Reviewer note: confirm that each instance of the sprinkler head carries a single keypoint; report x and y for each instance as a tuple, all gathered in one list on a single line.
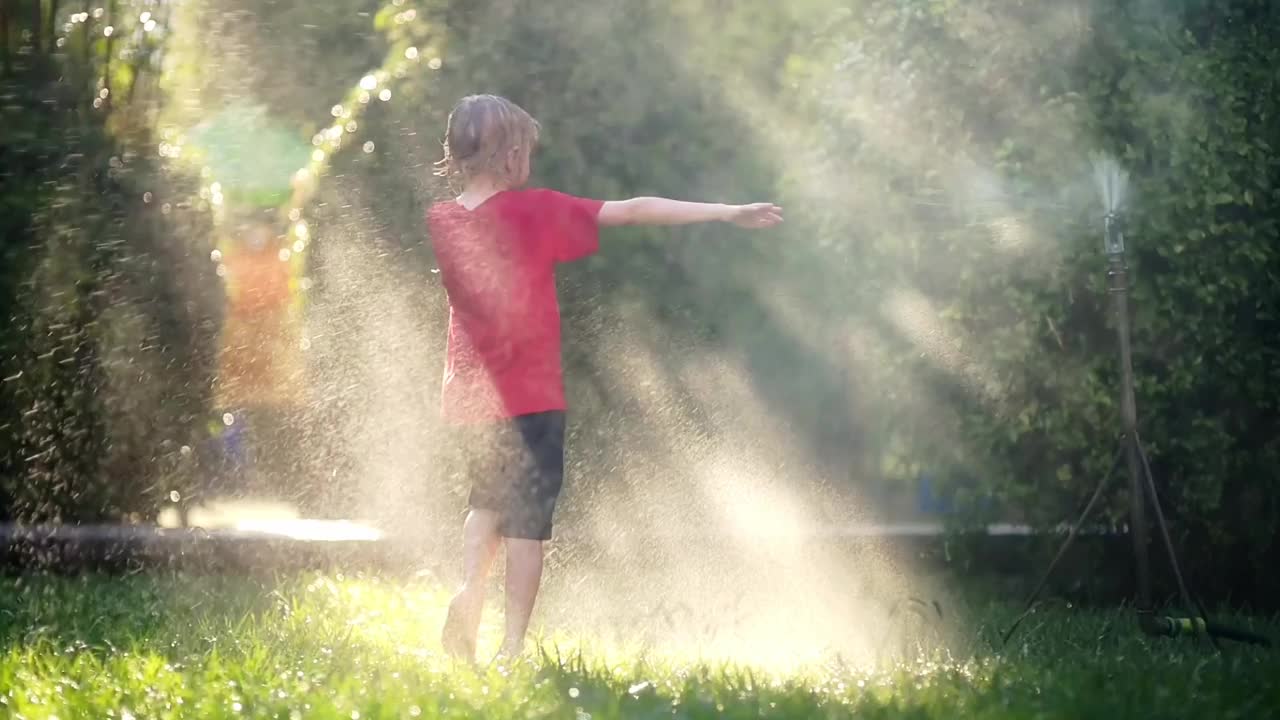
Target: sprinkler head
[(1113, 233)]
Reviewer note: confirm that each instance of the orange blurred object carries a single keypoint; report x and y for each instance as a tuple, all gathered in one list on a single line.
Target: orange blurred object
[(260, 356)]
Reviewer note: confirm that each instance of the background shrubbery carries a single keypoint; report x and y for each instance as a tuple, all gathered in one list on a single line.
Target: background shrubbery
[(935, 302)]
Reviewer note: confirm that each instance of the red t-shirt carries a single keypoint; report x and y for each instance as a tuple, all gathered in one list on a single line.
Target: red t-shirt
[(498, 266)]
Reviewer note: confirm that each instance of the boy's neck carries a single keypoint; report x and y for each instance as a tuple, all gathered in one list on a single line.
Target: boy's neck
[(477, 191)]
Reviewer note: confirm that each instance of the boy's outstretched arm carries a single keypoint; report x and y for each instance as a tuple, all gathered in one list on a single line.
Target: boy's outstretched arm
[(661, 211)]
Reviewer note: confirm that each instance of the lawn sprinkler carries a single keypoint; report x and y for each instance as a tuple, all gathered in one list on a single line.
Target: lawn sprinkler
[(1112, 183)]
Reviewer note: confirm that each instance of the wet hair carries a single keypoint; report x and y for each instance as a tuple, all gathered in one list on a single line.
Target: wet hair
[(482, 130)]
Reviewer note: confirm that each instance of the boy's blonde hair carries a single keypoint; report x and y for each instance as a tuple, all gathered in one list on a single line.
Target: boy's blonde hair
[(482, 129)]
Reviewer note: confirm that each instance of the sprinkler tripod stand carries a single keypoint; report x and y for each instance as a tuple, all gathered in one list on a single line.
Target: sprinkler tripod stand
[(1142, 486)]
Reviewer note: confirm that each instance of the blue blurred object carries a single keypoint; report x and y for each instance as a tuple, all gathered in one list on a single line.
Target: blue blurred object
[(929, 501), (230, 452), (939, 498), (235, 450)]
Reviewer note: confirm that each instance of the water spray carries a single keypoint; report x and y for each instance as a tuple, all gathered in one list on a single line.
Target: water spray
[(1113, 186)]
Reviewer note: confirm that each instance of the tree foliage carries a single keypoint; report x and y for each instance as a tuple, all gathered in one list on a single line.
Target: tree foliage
[(105, 353), (937, 299)]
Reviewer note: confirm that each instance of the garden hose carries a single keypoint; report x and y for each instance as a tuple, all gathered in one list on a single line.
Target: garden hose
[(1165, 626)]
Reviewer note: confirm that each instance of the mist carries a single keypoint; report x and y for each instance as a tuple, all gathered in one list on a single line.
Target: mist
[(750, 414)]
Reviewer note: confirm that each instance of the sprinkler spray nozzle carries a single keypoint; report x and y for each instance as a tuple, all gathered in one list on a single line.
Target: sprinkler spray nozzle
[(1113, 230)]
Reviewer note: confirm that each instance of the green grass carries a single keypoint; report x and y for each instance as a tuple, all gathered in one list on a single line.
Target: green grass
[(326, 647)]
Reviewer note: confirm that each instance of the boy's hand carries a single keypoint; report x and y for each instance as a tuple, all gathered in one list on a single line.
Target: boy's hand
[(755, 215)]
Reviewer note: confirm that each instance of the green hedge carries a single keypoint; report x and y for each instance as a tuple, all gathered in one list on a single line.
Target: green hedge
[(1006, 104), (936, 300), (110, 315)]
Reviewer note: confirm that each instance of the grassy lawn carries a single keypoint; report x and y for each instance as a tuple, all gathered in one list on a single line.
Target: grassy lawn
[(329, 647)]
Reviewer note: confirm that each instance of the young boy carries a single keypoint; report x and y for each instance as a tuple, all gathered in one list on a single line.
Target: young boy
[(497, 247)]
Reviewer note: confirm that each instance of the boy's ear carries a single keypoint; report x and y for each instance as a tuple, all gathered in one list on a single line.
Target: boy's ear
[(517, 158)]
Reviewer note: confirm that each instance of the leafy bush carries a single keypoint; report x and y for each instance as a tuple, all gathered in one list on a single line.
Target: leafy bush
[(937, 300), (106, 351)]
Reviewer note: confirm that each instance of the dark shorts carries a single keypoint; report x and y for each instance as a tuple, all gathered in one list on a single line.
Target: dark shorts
[(516, 469)]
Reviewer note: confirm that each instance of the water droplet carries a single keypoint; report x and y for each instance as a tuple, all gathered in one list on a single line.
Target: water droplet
[(151, 25), (185, 450), (368, 82), (364, 98), (299, 246), (435, 63), (174, 496), (573, 692), (336, 111), (144, 17), (146, 196), (97, 13), (385, 95), (355, 715), (301, 230), (221, 271), (368, 146), (294, 214), (62, 41), (236, 707), (352, 126), (411, 53), (97, 103), (284, 254), (414, 711), (166, 208), (108, 31), (216, 256), (318, 155)]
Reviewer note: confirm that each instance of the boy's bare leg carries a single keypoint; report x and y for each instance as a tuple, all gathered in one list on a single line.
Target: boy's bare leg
[(524, 573), (479, 546)]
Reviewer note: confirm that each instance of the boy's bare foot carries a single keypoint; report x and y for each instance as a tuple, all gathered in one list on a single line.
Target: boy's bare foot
[(507, 655), (455, 637), (511, 650)]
